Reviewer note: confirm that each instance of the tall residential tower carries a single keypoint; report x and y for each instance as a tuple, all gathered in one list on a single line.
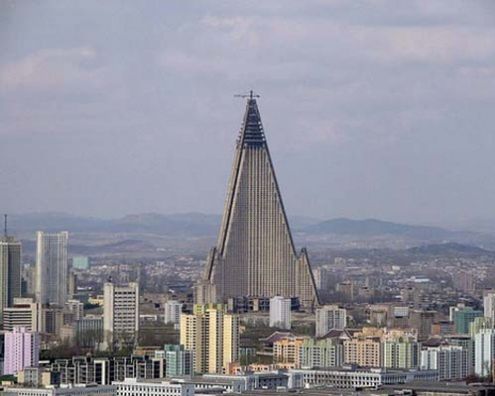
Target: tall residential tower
[(51, 268), (120, 314), (213, 335), (10, 270), (255, 253)]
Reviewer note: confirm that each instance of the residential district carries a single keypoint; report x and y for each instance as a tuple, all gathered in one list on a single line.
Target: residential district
[(253, 316)]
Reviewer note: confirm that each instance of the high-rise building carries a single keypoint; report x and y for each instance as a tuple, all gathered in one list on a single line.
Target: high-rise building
[(422, 321), (213, 335), (451, 361), (120, 314), (364, 349), (180, 362), (463, 317), (322, 278), (484, 352), (327, 352), (467, 343), (400, 349), (280, 312), (287, 350), (72, 285), (379, 315), (255, 253), (28, 275), (10, 270), (489, 305), (464, 281), (89, 331), (75, 309), (22, 349), (51, 268), (53, 319), (80, 262), (173, 309), (205, 292), (346, 289), (25, 312), (442, 327), (330, 317)]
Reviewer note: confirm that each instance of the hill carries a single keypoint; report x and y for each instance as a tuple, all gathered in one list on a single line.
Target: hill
[(374, 227), (447, 249)]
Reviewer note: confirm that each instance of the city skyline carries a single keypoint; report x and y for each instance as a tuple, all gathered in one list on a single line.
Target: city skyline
[(355, 251), (386, 125)]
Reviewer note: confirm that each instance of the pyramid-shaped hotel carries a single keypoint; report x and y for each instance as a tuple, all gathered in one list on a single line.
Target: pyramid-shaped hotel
[(255, 254)]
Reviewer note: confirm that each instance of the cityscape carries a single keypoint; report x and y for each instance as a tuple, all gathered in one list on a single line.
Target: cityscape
[(274, 294)]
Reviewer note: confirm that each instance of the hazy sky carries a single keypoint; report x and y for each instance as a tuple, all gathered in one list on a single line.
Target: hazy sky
[(371, 108)]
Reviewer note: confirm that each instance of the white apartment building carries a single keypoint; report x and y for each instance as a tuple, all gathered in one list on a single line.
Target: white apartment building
[(120, 313), (330, 317), (51, 268), (451, 361), (280, 315), (173, 309), (484, 352)]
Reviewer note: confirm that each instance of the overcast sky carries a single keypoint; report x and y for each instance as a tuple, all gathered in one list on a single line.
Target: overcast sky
[(372, 108)]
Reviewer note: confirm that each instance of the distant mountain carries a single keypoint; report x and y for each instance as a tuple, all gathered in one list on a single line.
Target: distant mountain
[(300, 222), (374, 228), (54, 221), (451, 248), (187, 224), (207, 225), (193, 224), (190, 224)]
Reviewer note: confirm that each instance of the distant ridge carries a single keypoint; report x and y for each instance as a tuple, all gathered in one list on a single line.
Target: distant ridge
[(192, 224), (374, 227), (451, 248), (196, 224)]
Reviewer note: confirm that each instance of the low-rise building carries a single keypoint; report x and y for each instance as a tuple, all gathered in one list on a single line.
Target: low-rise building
[(89, 390), (132, 387), (87, 370), (26, 313), (348, 378)]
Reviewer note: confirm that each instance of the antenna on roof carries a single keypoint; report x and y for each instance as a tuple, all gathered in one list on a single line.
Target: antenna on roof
[(5, 225), (251, 95)]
